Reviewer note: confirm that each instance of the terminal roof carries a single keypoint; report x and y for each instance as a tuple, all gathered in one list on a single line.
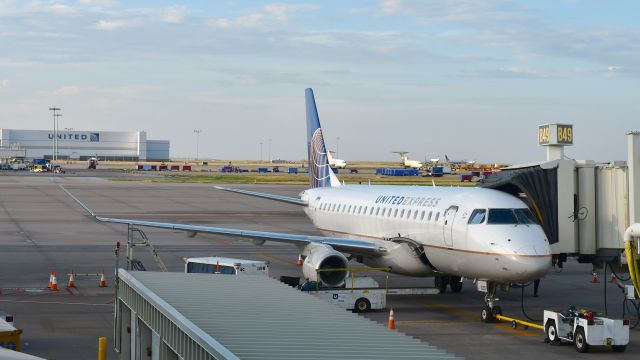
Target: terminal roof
[(253, 317)]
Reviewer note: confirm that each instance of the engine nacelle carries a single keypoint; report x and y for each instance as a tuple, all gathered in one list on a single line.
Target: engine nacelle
[(324, 258)]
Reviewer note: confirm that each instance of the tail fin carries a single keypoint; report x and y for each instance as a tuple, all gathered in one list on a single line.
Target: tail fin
[(320, 173)]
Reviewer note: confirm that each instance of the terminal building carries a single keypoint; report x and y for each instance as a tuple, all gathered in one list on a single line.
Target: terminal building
[(81, 145)]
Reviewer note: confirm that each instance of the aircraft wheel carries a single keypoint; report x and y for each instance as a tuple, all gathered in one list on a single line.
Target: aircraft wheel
[(580, 341), (455, 284), (441, 283), (486, 315)]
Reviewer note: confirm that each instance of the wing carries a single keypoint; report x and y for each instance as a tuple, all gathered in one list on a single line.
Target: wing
[(358, 247), (280, 198)]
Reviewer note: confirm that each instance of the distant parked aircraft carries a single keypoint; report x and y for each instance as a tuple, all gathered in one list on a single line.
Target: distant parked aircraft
[(406, 162)]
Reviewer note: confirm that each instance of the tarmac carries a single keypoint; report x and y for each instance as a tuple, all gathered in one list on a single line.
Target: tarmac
[(43, 230)]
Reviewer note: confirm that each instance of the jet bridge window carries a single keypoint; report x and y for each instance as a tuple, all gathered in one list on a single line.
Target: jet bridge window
[(477, 216)]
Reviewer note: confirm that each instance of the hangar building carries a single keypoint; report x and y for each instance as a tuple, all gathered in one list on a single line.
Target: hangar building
[(81, 145)]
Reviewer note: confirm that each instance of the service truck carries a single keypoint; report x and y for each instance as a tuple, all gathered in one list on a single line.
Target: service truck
[(585, 329), (226, 266), (361, 293)]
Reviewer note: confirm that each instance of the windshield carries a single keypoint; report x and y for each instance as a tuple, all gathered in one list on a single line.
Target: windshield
[(510, 217)]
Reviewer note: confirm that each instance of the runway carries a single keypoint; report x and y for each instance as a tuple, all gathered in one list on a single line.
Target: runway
[(44, 230)]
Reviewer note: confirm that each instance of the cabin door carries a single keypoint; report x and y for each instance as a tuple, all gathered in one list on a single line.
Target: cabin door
[(447, 227)]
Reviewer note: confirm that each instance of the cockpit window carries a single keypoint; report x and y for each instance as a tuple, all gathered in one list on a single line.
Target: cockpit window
[(502, 217), (510, 216), (525, 216), (477, 216)]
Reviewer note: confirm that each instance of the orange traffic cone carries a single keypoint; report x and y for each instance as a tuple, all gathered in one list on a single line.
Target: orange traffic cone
[(103, 282), (299, 260), (72, 280), (392, 320), (594, 278), (50, 279), (54, 282)]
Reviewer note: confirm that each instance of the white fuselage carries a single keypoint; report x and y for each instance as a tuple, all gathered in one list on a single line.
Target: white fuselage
[(409, 221)]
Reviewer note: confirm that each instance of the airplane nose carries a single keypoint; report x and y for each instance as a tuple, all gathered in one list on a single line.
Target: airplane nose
[(531, 267)]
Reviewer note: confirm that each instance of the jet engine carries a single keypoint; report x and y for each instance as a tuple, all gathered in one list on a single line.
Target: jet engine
[(324, 258)]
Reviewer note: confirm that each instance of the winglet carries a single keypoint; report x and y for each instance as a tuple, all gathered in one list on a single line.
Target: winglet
[(85, 207)]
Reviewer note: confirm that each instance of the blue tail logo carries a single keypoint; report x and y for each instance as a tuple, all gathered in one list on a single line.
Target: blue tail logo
[(320, 174)]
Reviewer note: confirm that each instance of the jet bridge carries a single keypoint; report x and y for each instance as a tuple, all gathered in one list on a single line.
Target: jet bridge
[(584, 207)]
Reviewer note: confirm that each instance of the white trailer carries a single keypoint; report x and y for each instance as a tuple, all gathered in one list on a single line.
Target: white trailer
[(227, 266), (585, 329)]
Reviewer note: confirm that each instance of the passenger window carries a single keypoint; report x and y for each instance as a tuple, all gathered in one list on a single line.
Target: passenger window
[(349, 209), (430, 213), (395, 213), (401, 213), (477, 216), (360, 209), (377, 211), (437, 216), (422, 215)]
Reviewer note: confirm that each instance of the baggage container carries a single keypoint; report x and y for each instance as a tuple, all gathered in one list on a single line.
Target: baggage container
[(9, 335)]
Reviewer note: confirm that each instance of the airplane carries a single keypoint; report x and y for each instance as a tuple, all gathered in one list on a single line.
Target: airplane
[(336, 163), (412, 164), (450, 233), (459, 162)]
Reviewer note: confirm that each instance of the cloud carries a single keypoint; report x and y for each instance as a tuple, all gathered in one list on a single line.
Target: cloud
[(266, 18), (65, 10), (117, 24), (250, 21), (174, 14), (129, 90)]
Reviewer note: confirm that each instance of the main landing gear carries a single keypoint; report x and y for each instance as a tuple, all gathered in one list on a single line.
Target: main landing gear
[(490, 310), (454, 282)]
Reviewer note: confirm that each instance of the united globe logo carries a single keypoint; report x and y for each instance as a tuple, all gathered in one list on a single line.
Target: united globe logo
[(94, 137)]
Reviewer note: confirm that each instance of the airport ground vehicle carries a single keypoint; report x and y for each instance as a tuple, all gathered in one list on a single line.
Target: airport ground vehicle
[(228, 266), (92, 163), (585, 329), (359, 294)]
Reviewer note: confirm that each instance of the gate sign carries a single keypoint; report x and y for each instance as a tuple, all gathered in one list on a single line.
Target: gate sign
[(555, 134)]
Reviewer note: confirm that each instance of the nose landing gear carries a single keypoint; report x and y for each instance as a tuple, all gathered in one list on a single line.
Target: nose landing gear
[(490, 310)]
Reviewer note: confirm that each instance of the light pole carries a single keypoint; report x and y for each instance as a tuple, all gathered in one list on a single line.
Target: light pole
[(57, 152), (53, 140), (269, 157), (197, 132), (260, 151)]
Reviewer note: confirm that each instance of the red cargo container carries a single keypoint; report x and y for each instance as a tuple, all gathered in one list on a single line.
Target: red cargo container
[(175, 167), (186, 167)]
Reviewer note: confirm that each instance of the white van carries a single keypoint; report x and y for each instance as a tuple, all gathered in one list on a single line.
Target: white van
[(227, 266)]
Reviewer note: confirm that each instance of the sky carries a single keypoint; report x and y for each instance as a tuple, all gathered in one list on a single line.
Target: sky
[(471, 78)]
